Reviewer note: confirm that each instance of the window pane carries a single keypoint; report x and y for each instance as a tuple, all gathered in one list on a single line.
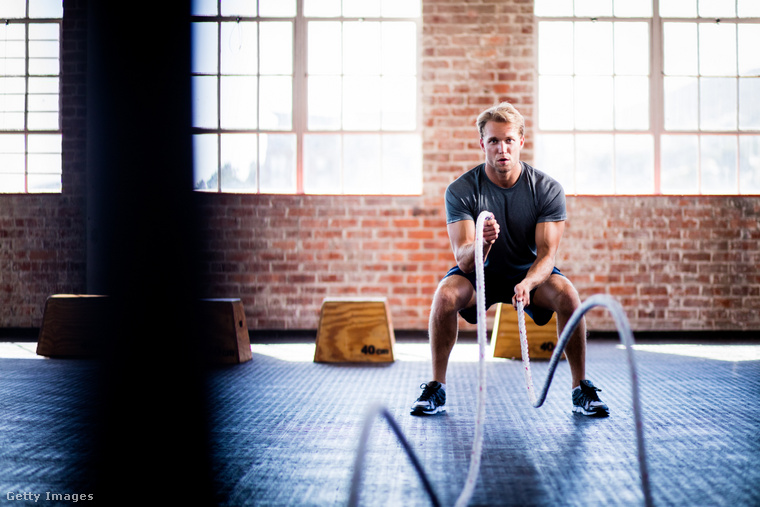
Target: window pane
[(594, 163), (322, 164), (555, 99), (678, 8), (719, 162), (717, 103), (205, 162), (593, 48), (276, 103), (205, 48), (681, 103), (749, 103), (13, 9), (205, 101), (47, 183), (593, 8), (277, 48), (239, 160), (239, 53), (324, 45), (361, 8), (632, 49), (631, 103), (748, 8), (717, 8), (680, 49), (679, 162), (402, 164), (362, 151), (361, 47), (717, 49), (44, 153), (749, 164), (12, 50), (633, 8), (324, 103), (238, 8), (397, 59), (401, 8), (12, 183), (361, 109), (634, 164), (555, 55), (749, 56), (321, 8), (277, 163), (399, 103), (45, 9), (277, 8), (554, 156), (204, 7), (593, 103), (238, 102), (553, 8)]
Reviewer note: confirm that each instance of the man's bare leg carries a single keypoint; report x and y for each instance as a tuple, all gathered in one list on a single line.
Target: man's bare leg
[(454, 293), (559, 295)]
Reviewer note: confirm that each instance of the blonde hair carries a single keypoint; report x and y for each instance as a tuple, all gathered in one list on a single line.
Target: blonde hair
[(503, 113)]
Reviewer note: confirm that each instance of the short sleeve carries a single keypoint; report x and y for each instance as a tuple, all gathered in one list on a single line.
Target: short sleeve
[(457, 208), (554, 208)]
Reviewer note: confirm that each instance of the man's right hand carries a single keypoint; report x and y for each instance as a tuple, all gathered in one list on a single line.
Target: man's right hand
[(490, 231)]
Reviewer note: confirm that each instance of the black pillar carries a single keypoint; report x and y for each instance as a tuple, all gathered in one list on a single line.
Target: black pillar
[(141, 252)]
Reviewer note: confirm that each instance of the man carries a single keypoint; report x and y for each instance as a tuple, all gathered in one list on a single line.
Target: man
[(520, 244)]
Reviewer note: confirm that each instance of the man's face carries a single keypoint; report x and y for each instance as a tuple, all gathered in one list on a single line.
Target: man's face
[(502, 142)]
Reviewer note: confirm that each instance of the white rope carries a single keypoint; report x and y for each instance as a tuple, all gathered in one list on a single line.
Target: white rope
[(624, 332), (524, 350), (480, 295)]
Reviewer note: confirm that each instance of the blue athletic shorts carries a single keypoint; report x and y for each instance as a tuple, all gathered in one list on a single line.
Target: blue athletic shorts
[(501, 289)]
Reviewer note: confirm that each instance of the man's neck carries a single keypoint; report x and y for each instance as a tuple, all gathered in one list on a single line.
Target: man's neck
[(504, 179)]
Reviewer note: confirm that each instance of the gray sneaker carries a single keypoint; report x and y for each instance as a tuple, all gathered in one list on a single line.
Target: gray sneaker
[(431, 401), (586, 401)]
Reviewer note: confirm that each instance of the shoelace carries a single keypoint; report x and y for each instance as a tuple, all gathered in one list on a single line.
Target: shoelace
[(427, 392), (590, 392)]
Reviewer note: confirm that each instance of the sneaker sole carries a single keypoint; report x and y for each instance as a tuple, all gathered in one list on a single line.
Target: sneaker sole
[(420, 411), (593, 413)]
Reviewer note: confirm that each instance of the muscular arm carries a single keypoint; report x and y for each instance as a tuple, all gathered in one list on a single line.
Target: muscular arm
[(462, 237), (548, 236)]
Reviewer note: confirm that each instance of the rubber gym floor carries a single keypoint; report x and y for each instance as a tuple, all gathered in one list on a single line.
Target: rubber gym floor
[(283, 430)]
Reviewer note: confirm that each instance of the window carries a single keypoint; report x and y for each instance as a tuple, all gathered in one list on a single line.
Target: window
[(311, 97), (633, 101), (30, 130)]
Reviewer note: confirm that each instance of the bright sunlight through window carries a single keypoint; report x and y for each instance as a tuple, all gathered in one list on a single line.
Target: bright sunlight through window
[(321, 100), (633, 101)]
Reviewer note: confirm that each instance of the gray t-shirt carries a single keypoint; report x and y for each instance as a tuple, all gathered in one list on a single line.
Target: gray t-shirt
[(535, 198)]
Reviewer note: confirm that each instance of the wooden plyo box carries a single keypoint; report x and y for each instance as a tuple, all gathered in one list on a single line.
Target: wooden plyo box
[(355, 330), (506, 335), (75, 325), (224, 332)]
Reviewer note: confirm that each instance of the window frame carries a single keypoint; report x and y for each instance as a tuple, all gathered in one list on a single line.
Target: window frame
[(656, 130), (26, 21), (300, 101)]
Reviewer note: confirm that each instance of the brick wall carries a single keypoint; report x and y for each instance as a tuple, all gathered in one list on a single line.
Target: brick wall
[(674, 262)]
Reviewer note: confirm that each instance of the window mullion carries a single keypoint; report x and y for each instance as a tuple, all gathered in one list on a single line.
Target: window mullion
[(656, 91), (300, 100)]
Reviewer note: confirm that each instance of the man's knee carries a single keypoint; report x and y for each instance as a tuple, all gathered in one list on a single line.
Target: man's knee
[(452, 295)]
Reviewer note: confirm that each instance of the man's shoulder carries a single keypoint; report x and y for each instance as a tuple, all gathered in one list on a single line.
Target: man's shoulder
[(466, 180), (540, 179)]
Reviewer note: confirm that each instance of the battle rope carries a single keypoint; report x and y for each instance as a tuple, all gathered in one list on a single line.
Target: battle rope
[(624, 332)]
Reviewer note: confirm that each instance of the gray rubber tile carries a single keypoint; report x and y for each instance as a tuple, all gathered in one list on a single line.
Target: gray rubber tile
[(284, 430)]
